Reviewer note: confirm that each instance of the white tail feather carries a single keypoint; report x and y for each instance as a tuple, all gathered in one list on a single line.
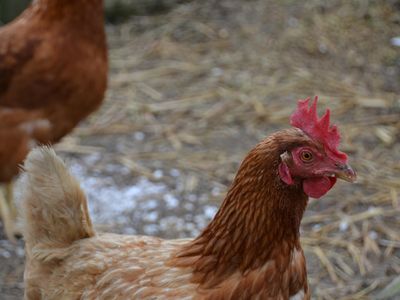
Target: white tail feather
[(55, 212)]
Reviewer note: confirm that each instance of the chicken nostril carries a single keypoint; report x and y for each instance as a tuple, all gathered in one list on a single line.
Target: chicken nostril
[(341, 166)]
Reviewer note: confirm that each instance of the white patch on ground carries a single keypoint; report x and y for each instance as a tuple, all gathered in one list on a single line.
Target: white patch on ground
[(395, 41), (158, 174), (373, 234), (139, 136), (344, 225), (316, 227), (175, 173), (144, 207), (108, 202), (210, 211), (171, 201), (8, 249)]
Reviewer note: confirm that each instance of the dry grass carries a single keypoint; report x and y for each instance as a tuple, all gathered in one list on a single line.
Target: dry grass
[(209, 79)]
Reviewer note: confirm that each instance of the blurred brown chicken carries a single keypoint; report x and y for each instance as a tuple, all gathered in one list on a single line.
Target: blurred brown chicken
[(250, 250), (53, 73)]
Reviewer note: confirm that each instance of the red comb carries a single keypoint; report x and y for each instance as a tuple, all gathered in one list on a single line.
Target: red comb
[(306, 119)]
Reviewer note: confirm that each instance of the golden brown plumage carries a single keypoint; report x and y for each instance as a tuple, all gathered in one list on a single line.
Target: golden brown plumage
[(250, 250), (53, 73)]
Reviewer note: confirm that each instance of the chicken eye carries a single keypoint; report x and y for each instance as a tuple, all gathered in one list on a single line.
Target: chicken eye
[(306, 156)]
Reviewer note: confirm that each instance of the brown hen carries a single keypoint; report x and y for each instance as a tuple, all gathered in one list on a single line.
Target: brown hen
[(53, 73), (250, 250)]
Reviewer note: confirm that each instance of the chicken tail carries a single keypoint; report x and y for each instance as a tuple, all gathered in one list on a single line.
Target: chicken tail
[(55, 212)]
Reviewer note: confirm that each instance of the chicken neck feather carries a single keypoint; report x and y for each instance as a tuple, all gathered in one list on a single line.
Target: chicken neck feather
[(257, 223)]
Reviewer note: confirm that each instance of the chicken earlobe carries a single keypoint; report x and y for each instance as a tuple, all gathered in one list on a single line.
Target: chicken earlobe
[(284, 171)]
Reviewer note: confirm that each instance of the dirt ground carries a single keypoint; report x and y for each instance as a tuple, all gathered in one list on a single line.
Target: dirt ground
[(192, 90)]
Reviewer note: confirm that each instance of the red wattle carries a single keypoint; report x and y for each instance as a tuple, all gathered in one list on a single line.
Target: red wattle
[(318, 186)]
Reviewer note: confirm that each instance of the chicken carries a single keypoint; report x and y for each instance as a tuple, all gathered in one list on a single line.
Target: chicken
[(250, 250), (53, 73)]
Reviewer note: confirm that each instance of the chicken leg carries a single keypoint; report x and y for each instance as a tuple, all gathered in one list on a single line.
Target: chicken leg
[(8, 212)]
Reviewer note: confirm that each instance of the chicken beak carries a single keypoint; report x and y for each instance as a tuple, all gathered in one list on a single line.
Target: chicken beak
[(345, 172)]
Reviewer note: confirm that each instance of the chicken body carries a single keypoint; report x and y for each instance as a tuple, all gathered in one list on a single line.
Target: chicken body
[(250, 250), (53, 73), (67, 259)]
